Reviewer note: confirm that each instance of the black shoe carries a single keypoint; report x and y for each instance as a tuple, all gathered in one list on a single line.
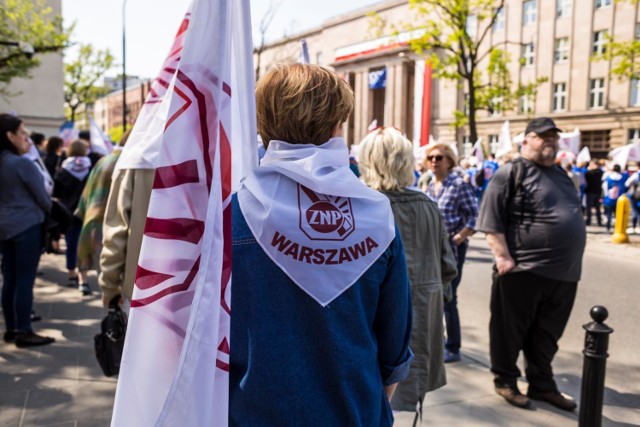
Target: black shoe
[(512, 395), (35, 317), (73, 282), (31, 339), (556, 398), (85, 289), (10, 336)]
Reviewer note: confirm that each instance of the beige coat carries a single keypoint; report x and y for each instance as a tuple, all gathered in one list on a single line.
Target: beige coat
[(431, 268), (122, 230)]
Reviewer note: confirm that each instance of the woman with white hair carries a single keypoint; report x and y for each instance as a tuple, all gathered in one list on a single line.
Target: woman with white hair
[(459, 208), (386, 164)]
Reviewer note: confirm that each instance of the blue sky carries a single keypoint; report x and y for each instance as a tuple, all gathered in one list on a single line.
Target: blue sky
[(151, 24)]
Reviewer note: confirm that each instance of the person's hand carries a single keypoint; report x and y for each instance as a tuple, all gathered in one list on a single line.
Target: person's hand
[(505, 265), (458, 239), (106, 301)]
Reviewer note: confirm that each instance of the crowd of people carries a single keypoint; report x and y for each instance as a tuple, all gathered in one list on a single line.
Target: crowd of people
[(48, 191), (361, 335), (599, 184)]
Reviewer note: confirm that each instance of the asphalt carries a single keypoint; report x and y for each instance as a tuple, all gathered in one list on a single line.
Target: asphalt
[(61, 384)]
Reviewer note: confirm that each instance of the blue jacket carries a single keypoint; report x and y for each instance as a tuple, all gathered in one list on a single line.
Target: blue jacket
[(294, 362)]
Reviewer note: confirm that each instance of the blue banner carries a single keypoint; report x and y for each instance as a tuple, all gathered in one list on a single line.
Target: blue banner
[(378, 79)]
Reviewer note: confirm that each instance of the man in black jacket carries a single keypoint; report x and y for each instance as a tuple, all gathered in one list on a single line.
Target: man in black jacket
[(593, 191)]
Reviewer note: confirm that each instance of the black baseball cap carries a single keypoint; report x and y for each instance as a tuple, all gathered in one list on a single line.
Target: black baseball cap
[(541, 125)]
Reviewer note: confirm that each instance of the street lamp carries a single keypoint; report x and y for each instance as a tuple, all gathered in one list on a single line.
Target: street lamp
[(25, 48), (124, 68)]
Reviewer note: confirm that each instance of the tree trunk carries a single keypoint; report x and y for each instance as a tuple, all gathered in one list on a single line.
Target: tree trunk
[(258, 66), (473, 131), (73, 112)]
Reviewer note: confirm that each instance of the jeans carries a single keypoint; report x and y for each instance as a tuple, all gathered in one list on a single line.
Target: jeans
[(451, 317), (20, 257), (72, 236)]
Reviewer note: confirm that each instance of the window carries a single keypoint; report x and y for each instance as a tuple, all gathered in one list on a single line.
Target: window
[(563, 8), (494, 143), (559, 97), (596, 93), (597, 141), (634, 136), (528, 54), (529, 17), (472, 25), (526, 104), (496, 106), (602, 3), (635, 92), (637, 35), (498, 24), (599, 42), (561, 53)]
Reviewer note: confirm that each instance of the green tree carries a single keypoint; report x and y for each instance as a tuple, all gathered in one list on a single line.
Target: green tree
[(454, 36), (82, 75), (623, 54), (624, 57), (29, 22)]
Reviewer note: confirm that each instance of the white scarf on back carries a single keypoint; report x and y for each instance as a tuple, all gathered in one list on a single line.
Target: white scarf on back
[(314, 218)]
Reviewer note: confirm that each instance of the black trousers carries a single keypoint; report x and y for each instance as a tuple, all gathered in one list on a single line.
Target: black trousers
[(529, 313)]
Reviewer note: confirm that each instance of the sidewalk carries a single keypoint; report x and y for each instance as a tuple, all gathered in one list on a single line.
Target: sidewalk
[(61, 384)]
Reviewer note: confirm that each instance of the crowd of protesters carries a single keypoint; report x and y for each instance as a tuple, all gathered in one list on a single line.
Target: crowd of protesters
[(64, 191), (48, 191)]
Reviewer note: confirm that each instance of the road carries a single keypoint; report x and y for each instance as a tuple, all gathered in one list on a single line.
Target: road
[(611, 277)]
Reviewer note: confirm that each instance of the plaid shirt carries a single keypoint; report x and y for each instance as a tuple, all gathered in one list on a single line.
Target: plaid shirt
[(457, 203)]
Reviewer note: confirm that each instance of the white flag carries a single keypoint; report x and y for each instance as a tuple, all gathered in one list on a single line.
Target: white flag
[(100, 143), (584, 156), (505, 146), (143, 145), (478, 152), (570, 141), (175, 367), (519, 138), (626, 153)]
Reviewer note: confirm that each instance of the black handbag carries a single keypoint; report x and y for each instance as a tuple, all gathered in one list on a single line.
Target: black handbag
[(109, 343), (61, 215)]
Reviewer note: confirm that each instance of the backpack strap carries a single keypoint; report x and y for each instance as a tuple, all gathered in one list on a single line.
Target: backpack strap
[(516, 178)]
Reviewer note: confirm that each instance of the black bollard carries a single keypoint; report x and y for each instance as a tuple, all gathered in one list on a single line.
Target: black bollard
[(596, 344)]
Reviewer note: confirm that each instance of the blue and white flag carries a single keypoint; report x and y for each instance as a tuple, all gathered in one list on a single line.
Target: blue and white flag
[(304, 53), (378, 79), (68, 132)]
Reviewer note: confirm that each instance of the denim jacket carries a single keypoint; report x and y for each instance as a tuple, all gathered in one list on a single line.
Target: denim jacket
[(296, 363)]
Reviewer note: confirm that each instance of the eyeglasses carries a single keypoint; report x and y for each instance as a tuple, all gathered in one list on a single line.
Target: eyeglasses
[(437, 158), (545, 136)]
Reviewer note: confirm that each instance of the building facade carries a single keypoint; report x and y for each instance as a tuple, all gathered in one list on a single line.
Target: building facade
[(39, 101), (555, 39), (107, 110)]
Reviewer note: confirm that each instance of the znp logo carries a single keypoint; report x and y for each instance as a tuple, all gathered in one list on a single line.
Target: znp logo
[(324, 217)]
